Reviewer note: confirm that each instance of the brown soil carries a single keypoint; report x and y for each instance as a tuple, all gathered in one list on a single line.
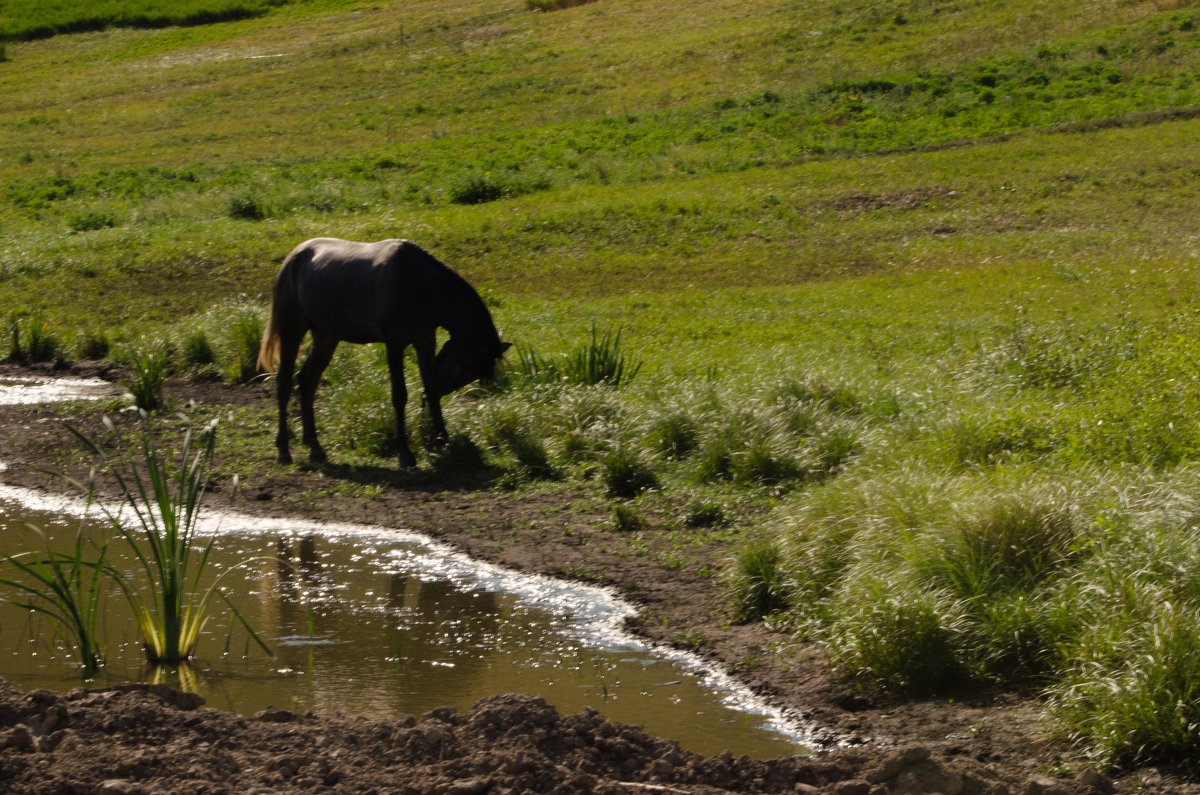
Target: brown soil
[(152, 739)]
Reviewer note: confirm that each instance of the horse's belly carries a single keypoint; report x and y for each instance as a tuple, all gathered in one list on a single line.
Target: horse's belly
[(361, 339)]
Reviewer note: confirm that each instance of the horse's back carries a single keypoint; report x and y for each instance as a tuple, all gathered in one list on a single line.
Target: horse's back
[(360, 291), (334, 251)]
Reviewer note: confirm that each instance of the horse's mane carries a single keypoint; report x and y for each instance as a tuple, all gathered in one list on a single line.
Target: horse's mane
[(465, 311)]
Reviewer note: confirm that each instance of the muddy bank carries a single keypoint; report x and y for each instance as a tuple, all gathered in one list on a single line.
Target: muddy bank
[(151, 739), (970, 742)]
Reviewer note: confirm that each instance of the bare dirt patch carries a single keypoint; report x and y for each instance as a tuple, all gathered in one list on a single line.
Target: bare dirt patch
[(153, 739)]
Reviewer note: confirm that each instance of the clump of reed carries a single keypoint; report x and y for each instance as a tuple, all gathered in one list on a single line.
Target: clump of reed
[(165, 504), (758, 581)]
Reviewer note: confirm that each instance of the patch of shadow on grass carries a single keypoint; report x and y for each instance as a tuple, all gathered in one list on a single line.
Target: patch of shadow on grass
[(420, 479)]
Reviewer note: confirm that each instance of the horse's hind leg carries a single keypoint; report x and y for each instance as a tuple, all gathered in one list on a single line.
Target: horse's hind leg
[(310, 375), (289, 348)]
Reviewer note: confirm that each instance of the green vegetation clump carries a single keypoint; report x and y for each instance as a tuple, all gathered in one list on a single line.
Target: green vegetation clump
[(149, 363), (627, 473), (599, 361), (65, 587), (759, 580), (31, 339)]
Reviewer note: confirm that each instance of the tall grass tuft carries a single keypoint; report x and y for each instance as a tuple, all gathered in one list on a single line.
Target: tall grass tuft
[(94, 346), (751, 446), (66, 589), (149, 363), (923, 583), (626, 519), (166, 508), (835, 396), (198, 351), (1134, 697), (626, 472), (598, 361), (477, 189), (899, 636), (225, 339), (758, 581), (533, 368), (705, 513), (245, 207), (245, 334), (673, 433), (37, 344), (510, 430), (1012, 545), (586, 423)]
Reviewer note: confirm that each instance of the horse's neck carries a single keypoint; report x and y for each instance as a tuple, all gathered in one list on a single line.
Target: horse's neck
[(464, 313)]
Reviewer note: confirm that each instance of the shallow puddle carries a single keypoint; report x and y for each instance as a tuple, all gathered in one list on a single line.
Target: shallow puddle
[(35, 389), (368, 622)]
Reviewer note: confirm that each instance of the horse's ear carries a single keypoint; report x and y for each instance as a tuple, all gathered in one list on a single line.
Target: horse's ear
[(504, 346)]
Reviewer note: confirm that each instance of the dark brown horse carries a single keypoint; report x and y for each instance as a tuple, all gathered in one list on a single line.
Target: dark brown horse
[(392, 292)]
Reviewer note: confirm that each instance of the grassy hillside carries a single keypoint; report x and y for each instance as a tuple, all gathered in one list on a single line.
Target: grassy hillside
[(913, 289)]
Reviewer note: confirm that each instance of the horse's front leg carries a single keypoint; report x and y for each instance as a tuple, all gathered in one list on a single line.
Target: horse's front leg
[(310, 375), (425, 354), (395, 359)]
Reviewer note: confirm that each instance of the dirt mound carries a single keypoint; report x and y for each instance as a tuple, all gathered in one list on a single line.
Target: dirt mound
[(151, 739)]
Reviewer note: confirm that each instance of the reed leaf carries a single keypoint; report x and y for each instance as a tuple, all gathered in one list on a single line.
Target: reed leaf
[(66, 589)]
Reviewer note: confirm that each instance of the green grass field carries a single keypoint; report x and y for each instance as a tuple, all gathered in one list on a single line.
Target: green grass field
[(913, 292)]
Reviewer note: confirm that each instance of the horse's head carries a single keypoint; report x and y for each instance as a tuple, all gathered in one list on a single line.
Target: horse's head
[(457, 365)]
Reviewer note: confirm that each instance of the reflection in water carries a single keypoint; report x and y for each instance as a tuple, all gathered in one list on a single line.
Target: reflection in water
[(300, 571), (181, 676), (382, 625)]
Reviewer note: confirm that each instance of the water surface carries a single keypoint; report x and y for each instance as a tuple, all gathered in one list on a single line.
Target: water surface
[(45, 389), (369, 622)]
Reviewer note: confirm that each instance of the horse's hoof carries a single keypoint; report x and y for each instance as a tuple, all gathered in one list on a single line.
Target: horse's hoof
[(283, 458), (407, 461), (316, 455)]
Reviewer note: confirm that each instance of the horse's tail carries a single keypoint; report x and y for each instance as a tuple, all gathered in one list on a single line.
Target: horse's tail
[(268, 351)]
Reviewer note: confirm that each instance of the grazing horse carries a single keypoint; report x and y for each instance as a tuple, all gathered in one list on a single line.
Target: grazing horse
[(392, 292)]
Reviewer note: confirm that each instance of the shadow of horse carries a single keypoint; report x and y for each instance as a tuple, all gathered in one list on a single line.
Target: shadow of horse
[(446, 480)]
